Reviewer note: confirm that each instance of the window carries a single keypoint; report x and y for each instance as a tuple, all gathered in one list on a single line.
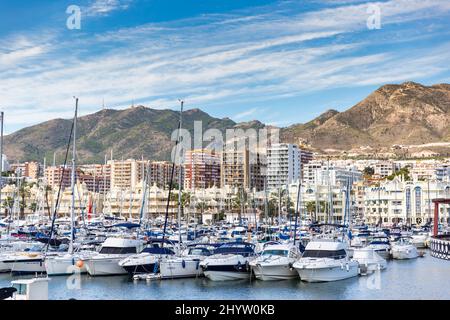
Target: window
[(114, 250), (282, 253), (21, 289), (335, 254), (418, 196), (408, 201)]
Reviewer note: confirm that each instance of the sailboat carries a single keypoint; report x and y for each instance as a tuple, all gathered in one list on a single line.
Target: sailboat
[(70, 262), (187, 263)]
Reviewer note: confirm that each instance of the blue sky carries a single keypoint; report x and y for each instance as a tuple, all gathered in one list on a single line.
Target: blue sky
[(281, 62)]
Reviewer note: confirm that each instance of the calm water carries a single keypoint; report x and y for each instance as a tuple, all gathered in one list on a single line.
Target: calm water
[(422, 278)]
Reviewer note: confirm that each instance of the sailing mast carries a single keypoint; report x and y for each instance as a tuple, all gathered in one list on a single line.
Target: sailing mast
[(179, 176), (72, 209)]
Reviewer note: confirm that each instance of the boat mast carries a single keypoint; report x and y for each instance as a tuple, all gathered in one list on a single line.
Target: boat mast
[(72, 209), (179, 175)]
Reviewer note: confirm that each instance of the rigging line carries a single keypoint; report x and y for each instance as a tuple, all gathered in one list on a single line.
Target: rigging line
[(171, 185), (60, 187)]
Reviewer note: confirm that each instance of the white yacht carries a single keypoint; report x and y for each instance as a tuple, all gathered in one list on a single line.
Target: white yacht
[(275, 262), (10, 249), (403, 249), (325, 260), (230, 261), (113, 250), (369, 260), (149, 259), (23, 262), (381, 245), (68, 263), (185, 266), (420, 239)]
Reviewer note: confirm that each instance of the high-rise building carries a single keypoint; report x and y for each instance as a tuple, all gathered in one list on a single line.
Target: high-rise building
[(283, 165), (324, 172), (201, 169), (242, 169), (126, 174), (161, 173)]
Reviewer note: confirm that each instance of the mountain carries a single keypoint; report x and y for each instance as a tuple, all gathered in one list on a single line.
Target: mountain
[(131, 133), (408, 114)]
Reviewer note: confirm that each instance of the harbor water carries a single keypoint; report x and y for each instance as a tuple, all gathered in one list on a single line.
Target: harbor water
[(423, 278)]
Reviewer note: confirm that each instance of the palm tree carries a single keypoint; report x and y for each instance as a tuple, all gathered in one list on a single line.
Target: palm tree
[(311, 209), (25, 193), (185, 200), (33, 207), (8, 204)]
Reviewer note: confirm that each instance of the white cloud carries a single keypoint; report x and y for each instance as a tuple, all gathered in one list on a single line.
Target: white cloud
[(245, 114), (104, 7), (213, 60)]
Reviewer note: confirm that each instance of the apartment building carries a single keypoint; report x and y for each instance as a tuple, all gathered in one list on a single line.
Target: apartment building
[(283, 165), (201, 169), (161, 173), (323, 172), (405, 201), (243, 169)]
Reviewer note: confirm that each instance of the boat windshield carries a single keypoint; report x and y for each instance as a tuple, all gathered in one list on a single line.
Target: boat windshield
[(199, 252), (334, 254), (283, 253), (115, 250)]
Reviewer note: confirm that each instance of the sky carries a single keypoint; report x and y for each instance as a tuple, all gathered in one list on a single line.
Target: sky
[(280, 62)]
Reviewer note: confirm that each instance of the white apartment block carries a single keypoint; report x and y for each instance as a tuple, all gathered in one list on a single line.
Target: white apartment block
[(283, 165), (324, 173), (405, 201)]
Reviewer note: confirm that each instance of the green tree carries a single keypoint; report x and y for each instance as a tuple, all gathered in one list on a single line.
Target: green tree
[(404, 172), (33, 207), (368, 171)]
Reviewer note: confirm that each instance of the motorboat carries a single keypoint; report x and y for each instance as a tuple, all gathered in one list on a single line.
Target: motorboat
[(186, 265), (325, 260), (369, 260), (230, 261), (275, 262), (26, 262), (420, 239), (28, 289), (381, 245), (149, 259), (113, 250), (68, 263), (403, 249)]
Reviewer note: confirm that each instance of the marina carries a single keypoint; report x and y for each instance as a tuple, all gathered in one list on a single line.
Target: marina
[(425, 278)]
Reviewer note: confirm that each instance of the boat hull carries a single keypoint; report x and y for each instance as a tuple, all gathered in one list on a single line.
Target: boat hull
[(104, 267), (405, 254), (226, 275), (178, 269), (64, 266), (28, 266), (141, 268), (272, 273), (335, 273)]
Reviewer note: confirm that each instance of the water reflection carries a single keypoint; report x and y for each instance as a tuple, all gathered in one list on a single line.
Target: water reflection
[(425, 278)]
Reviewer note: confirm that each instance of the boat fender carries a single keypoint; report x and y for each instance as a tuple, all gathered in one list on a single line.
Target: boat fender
[(73, 261), (348, 267), (197, 264), (155, 267), (183, 264)]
